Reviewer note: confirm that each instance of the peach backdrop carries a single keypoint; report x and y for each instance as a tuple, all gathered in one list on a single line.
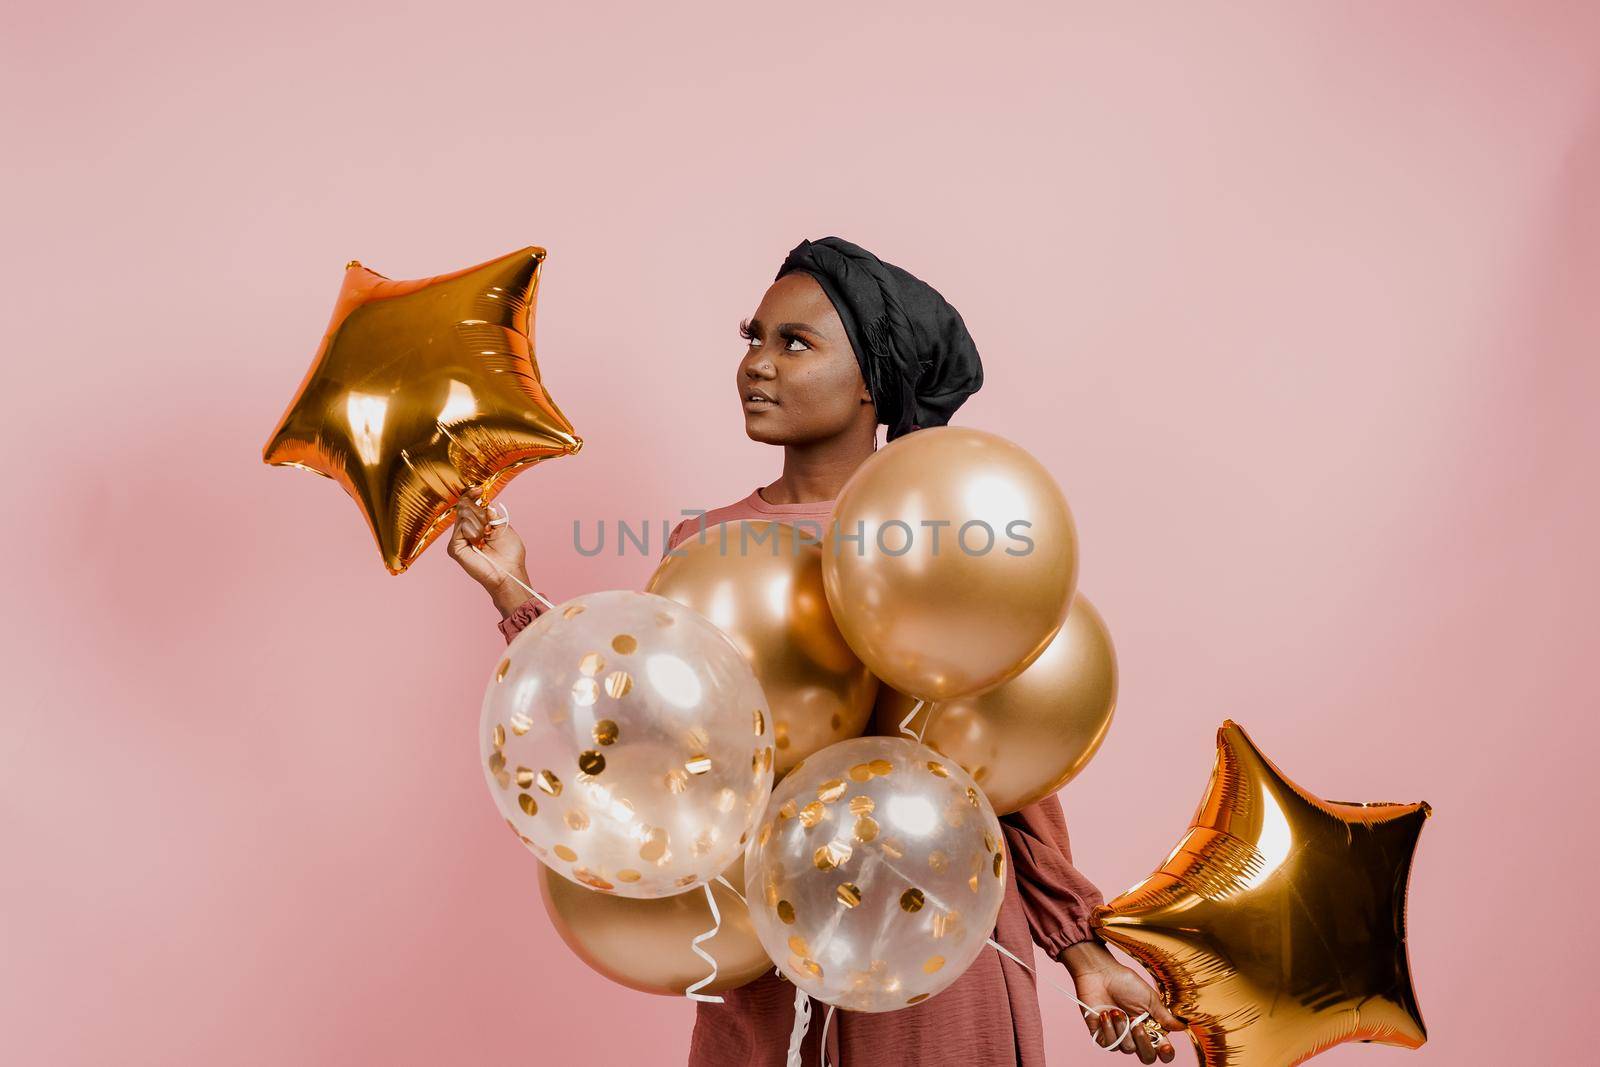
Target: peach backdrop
[(1297, 301)]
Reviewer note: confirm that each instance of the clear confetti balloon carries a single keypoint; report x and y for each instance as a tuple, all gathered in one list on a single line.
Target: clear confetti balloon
[(877, 873), (628, 744)]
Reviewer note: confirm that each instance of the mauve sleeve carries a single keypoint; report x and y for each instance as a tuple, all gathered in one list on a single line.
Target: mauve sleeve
[(513, 624), (1055, 894)]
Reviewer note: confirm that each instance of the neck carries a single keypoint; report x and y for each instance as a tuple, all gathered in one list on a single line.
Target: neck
[(817, 470)]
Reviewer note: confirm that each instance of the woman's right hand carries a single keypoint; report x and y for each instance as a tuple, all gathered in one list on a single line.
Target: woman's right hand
[(507, 562)]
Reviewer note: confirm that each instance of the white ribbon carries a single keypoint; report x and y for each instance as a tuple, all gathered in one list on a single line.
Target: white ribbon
[(797, 1032), (1087, 1010), (695, 942), (501, 517), (905, 723)]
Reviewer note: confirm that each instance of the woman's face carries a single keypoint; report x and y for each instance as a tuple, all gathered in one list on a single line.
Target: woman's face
[(799, 380)]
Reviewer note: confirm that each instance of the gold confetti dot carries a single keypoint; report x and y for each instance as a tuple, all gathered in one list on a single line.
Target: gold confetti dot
[(592, 663), (780, 734), (812, 814), (605, 732), (503, 780), (743, 838), (549, 783), (881, 767), (866, 828), (980, 774), (830, 790), (849, 894), (861, 805), (797, 945), (760, 721), (697, 764), (628, 874), (585, 691), (677, 780), (591, 762), (524, 778), (577, 820), (785, 912), (918, 999), (618, 683), (528, 805), (725, 799), (946, 923), (497, 762), (972, 883), (696, 739), (932, 964), (654, 849), (686, 880), (836, 722), (892, 849), (573, 611), (972, 796), (911, 900), (988, 841), (592, 880), (861, 772), (789, 810), (938, 862), (501, 671), (999, 863), (764, 836), (563, 852), (831, 855), (811, 967), (938, 769), (499, 736), (624, 644), (702, 844), (521, 723), (766, 758)]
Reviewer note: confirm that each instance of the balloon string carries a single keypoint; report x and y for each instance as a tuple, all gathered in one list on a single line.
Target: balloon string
[(797, 1032), (1087, 1010), (502, 517), (695, 942), (729, 887), (905, 723), (826, 1020)]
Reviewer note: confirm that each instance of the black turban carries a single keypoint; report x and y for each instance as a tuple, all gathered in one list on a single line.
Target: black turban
[(916, 356)]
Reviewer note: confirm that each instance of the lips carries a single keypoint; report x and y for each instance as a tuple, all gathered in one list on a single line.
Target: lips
[(758, 400)]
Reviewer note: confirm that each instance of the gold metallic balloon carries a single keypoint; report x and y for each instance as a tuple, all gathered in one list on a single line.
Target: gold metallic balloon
[(1026, 737), (1276, 928), (952, 561), (644, 944), (419, 389), (761, 583)]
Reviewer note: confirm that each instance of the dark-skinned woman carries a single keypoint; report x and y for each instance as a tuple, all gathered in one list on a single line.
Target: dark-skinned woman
[(841, 342)]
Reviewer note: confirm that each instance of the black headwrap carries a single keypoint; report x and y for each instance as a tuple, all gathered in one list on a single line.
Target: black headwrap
[(916, 356)]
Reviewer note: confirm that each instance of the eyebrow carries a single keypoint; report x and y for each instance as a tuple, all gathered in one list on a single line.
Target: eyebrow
[(755, 324)]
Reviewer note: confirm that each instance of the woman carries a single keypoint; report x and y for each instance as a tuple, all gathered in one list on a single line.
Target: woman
[(841, 342)]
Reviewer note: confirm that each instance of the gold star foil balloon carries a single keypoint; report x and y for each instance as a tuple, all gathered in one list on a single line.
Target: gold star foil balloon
[(1276, 927), (421, 388)]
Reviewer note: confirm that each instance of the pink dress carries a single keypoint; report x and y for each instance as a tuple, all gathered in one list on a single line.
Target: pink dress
[(990, 1016)]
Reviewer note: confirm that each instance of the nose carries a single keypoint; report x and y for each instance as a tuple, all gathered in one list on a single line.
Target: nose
[(758, 367)]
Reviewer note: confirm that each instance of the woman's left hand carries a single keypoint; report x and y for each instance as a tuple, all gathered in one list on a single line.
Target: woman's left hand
[(1102, 981)]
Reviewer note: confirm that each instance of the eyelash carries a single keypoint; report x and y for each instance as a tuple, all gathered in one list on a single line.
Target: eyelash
[(749, 335)]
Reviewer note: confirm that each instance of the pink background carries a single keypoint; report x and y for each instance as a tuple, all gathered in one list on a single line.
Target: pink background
[(1298, 304)]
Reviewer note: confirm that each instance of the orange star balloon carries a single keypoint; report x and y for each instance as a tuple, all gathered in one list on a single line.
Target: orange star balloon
[(1276, 927), (420, 389)]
